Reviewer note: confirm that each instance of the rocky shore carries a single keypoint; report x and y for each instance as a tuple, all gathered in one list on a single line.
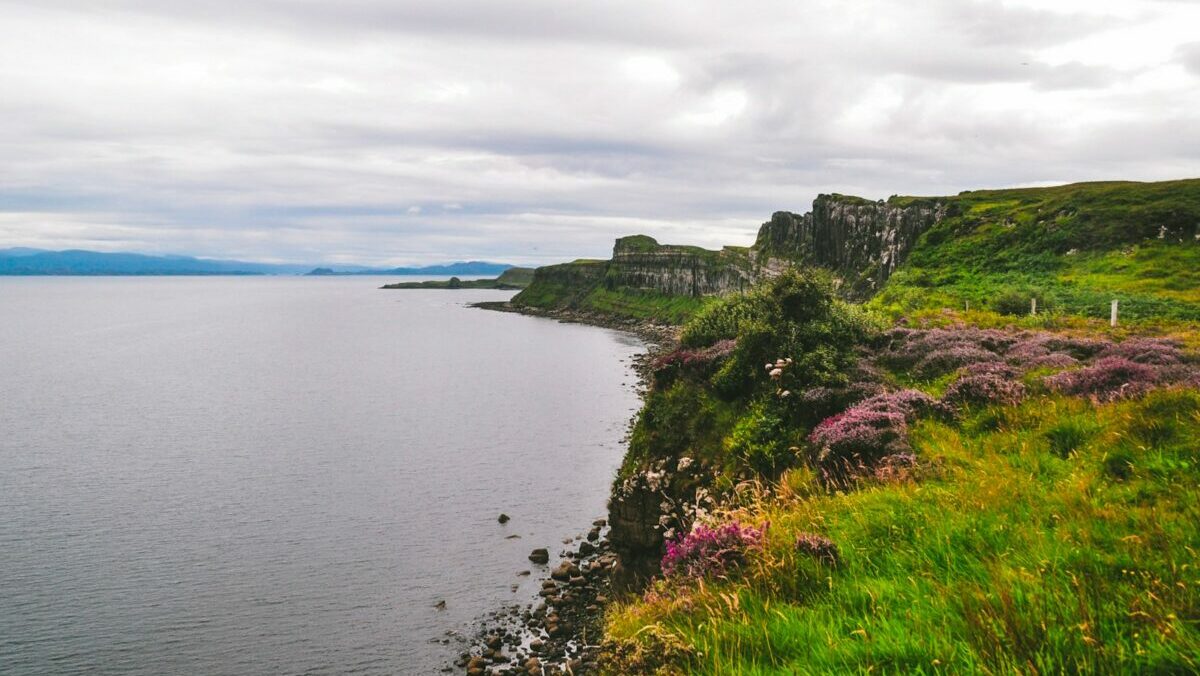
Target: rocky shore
[(561, 633)]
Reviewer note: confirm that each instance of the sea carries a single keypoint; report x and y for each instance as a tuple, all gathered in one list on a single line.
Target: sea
[(285, 475)]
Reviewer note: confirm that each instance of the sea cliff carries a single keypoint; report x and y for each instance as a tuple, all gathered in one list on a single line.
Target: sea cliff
[(863, 429)]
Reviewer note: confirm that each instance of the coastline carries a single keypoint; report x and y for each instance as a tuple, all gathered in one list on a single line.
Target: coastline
[(562, 633), (657, 336)]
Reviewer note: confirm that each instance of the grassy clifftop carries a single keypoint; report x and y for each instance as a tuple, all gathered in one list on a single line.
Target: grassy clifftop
[(643, 280), (837, 496), (1075, 248), (818, 486)]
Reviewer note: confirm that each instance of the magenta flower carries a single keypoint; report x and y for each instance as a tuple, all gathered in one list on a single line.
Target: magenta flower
[(711, 551), (1108, 379)]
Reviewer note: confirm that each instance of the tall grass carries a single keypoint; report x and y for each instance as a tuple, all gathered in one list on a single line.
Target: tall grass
[(1059, 537)]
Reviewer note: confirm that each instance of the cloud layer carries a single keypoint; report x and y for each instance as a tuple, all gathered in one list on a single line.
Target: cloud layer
[(376, 131)]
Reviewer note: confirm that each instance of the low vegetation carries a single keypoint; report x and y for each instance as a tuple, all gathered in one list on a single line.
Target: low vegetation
[(1073, 248), (1054, 536), (952, 498)]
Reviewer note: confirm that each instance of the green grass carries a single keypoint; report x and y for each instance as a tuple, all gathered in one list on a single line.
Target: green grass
[(619, 303), (643, 305), (1076, 248), (1057, 537)]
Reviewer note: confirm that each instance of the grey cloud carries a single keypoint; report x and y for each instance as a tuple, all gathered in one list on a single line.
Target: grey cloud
[(306, 130), (1189, 55)]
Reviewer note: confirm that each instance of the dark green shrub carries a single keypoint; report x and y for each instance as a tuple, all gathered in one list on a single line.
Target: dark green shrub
[(761, 439), (1013, 302), (793, 315), (1119, 465), (1069, 435)]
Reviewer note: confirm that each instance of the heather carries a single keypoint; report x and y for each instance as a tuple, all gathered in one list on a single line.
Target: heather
[(867, 432), (713, 399), (1107, 379), (1055, 536), (983, 389), (950, 498), (710, 551)]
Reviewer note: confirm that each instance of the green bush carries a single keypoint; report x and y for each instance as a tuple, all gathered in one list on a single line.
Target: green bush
[(793, 315), (1069, 435), (740, 415), (761, 439)]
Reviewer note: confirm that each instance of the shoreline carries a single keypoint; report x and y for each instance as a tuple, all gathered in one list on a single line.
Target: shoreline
[(657, 336), (562, 632)]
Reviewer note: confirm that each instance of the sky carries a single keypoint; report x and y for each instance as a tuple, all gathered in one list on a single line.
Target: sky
[(387, 132)]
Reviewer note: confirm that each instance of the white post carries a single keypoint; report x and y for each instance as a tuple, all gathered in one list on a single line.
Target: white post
[(1033, 306), (1113, 320), (968, 306)]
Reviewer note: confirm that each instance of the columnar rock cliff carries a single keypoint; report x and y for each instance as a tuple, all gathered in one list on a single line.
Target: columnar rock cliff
[(641, 263), (860, 241)]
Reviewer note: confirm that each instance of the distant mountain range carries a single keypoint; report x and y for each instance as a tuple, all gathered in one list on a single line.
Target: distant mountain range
[(26, 261)]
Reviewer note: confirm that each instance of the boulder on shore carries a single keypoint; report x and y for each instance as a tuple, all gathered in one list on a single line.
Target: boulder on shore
[(540, 555)]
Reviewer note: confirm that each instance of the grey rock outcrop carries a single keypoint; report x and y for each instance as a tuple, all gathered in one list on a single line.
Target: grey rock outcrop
[(861, 242)]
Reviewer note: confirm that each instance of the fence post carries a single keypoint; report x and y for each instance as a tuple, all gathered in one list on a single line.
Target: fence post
[(1113, 319), (1032, 306)]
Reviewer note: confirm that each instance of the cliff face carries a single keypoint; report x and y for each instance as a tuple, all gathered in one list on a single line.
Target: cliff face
[(642, 264), (861, 242)]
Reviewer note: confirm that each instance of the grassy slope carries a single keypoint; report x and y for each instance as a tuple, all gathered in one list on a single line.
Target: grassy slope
[(1074, 247), (1058, 536), (616, 302)]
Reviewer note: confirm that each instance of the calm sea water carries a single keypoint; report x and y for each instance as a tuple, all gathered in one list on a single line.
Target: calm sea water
[(284, 475)]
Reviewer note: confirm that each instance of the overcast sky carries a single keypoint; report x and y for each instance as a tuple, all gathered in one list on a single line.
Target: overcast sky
[(391, 132)]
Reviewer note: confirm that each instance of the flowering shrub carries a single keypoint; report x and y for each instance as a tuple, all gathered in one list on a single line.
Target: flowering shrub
[(874, 428), (908, 403), (670, 365), (995, 387), (991, 368), (859, 433), (710, 551), (943, 361), (1054, 360), (1154, 351), (819, 547), (818, 403), (1033, 345), (1108, 379), (935, 352), (1027, 350)]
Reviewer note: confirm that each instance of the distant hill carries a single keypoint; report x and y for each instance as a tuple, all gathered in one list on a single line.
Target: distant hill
[(19, 251), (458, 268), (21, 261), (27, 261)]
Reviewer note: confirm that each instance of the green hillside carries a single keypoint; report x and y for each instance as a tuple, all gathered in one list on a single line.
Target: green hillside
[(1075, 248), (903, 486)]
